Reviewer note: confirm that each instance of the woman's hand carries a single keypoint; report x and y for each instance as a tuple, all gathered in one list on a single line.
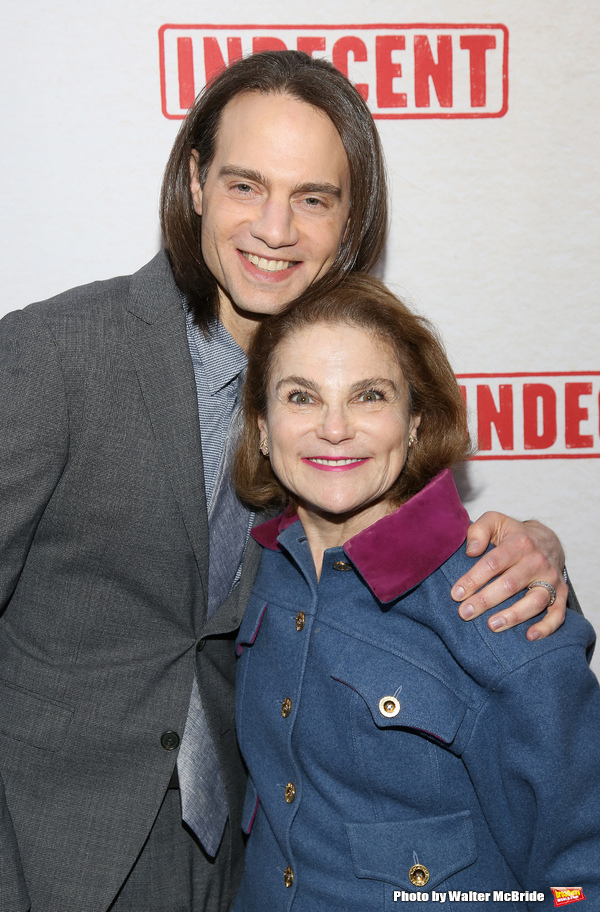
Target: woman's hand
[(525, 552)]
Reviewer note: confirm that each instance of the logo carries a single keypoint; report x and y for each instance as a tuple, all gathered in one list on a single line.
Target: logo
[(565, 895), (402, 71), (534, 416)]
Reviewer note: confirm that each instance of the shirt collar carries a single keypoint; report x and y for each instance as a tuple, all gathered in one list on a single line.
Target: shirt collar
[(400, 550), (224, 362)]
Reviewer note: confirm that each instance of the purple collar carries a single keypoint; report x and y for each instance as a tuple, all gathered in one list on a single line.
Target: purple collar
[(400, 550)]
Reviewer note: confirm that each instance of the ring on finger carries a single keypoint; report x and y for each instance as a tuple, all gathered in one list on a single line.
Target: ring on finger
[(547, 586)]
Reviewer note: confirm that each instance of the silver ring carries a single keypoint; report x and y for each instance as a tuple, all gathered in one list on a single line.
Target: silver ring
[(547, 586)]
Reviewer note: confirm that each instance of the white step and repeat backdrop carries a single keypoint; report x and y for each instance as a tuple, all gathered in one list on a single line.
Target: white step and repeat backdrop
[(488, 113)]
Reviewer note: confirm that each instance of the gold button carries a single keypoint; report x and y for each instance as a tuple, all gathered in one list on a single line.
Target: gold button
[(290, 792), (342, 565), (300, 620), (288, 877), (389, 707), (286, 707), (418, 875)]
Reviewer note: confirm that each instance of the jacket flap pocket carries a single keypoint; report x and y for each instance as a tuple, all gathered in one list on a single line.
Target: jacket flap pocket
[(250, 806), (250, 623), (399, 693), (28, 717), (387, 851)]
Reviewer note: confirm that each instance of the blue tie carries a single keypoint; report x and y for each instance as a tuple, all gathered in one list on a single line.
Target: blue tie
[(203, 801)]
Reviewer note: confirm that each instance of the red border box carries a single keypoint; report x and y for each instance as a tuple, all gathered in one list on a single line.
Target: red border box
[(357, 27), (495, 376)]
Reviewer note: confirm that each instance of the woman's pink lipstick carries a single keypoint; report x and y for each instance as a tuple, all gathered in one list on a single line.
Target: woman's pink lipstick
[(341, 464)]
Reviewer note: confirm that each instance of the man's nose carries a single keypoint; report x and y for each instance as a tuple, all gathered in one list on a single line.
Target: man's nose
[(275, 224)]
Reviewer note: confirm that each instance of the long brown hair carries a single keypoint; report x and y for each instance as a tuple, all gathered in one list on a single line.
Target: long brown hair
[(364, 302), (307, 79)]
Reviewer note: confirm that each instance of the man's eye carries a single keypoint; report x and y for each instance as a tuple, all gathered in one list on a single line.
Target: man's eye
[(243, 188), (313, 202)]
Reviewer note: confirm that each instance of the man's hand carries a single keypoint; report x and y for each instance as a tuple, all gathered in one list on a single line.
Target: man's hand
[(525, 552)]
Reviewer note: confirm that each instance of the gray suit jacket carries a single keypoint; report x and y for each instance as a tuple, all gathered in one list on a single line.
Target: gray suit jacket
[(103, 578)]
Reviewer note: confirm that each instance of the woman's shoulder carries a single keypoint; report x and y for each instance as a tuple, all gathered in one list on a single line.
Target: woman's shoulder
[(510, 648)]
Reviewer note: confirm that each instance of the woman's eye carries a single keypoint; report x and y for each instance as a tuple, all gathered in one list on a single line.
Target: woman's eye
[(370, 396), (299, 398)]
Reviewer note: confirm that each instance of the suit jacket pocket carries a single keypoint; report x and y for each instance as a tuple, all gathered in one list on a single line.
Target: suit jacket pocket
[(419, 700), (251, 622), (387, 851), (29, 718)]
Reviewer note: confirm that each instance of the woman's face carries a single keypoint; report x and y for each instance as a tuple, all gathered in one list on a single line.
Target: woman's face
[(337, 421)]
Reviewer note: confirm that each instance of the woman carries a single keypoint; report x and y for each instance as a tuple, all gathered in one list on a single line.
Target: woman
[(393, 751)]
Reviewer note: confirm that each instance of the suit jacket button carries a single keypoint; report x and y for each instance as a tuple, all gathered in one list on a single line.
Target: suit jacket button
[(418, 875), (300, 620), (169, 740), (342, 565), (286, 707), (389, 707), (290, 792), (288, 877), (200, 645)]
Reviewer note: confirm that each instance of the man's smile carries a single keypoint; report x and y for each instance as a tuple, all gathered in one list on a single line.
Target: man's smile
[(267, 265)]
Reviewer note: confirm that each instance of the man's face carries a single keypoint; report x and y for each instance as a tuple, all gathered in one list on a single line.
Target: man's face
[(274, 205)]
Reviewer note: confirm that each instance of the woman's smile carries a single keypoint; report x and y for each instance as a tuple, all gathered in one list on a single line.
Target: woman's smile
[(328, 464)]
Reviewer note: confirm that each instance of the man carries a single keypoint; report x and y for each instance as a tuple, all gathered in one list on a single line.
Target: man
[(116, 635)]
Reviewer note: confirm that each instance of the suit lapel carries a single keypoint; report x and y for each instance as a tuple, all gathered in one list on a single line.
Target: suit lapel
[(228, 616), (158, 344)]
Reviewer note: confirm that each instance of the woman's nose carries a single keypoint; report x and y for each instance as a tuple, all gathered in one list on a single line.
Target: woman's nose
[(336, 425)]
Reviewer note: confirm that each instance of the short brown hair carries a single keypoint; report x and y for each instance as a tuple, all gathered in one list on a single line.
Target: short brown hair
[(433, 392), (307, 79)]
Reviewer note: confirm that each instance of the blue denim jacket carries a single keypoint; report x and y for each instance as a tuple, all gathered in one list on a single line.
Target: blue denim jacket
[(381, 732)]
